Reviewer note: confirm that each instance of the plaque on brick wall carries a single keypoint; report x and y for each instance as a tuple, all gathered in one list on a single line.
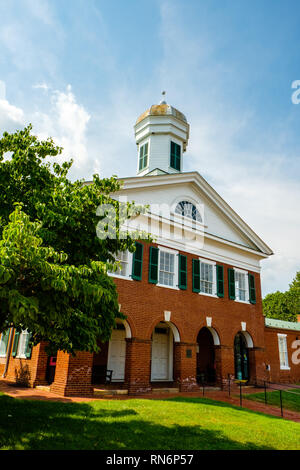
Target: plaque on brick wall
[(188, 353)]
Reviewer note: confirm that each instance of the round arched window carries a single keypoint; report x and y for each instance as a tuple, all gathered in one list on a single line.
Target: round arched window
[(188, 209)]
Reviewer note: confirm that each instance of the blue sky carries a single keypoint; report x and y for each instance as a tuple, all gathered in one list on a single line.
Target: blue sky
[(82, 72)]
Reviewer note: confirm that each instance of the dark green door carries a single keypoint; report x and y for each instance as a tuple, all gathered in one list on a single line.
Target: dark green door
[(241, 360)]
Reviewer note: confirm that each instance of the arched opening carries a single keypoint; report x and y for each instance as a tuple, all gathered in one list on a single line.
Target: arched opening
[(162, 352), (207, 339), (109, 363), (242, 342)]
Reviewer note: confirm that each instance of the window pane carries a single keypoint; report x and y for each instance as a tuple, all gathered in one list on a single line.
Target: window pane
[(240, 279), (166, 268), (3, 343), (187, 209), (122, 257), (22, 343), (283, 353), (206, 278)]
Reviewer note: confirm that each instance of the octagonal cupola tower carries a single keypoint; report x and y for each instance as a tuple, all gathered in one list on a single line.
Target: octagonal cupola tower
[(161, 134)]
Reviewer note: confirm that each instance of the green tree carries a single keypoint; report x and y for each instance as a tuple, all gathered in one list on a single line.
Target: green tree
[(64, 242), (66, 305), (295, 295), (284, 305)]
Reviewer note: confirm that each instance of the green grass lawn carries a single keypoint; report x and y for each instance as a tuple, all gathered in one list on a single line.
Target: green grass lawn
[(290, 399), (177, 423)]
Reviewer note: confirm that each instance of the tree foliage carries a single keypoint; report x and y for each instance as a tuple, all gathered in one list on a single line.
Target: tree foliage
[(68, 305), (53, 276), (284, 305)]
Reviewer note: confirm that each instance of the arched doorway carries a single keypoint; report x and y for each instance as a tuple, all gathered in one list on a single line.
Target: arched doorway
[(206, 367), (162, 353), (241, 357), (112, 356)]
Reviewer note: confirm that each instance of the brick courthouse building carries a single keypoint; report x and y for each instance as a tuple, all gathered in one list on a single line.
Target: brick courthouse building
[(192, 298)]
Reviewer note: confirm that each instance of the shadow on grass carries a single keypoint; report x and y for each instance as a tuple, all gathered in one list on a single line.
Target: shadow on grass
[(40, 425)]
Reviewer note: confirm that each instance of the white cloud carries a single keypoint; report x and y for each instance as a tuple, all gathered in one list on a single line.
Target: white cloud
[(254, 180), (42, 86), (10, 115), (65, 121)]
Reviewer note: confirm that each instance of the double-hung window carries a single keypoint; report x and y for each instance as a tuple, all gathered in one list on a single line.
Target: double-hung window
[(283, 352), (124, 259), (3, 343), (166, 268), (241, 285), (206, 278), (23, 344), (143, 158)]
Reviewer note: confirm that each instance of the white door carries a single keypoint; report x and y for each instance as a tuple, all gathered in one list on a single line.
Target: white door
[(160, 354), (117, 354)]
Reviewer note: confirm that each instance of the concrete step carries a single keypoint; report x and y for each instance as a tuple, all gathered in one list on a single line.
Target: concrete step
[(210, 388), (45, 388), (102, 392), (165, 390)]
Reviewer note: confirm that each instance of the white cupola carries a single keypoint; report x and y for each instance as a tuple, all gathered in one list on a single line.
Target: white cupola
[(161, 134)]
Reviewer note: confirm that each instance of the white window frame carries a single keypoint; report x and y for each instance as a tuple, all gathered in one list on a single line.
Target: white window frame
[(128, 270), (175, 278), (241, 271), (214, 271), (282, 337), (22, 342), (1, 338)]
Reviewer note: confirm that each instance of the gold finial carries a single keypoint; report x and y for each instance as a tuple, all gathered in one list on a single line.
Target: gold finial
[(163, 101)]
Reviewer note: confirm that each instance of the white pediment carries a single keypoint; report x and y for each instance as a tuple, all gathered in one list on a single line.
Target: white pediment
[(219, 220)]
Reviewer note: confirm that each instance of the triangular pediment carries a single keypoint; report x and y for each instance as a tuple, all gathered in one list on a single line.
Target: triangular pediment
[(219, 219)]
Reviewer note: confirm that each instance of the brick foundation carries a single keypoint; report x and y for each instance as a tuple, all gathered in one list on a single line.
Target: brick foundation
[(73, 375), (185, 366), (138, 366)]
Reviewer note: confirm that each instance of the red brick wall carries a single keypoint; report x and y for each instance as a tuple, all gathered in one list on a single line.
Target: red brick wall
[(32, 370), (137, 365), (272, 356), (145, 303), (73, 374)]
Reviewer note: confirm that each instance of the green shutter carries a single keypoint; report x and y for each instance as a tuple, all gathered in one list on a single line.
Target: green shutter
[(137, 262), (231, 284), (15, 345), (28, 347), (175, 156), (220, 280), (252, 293), (182, 274), (153, 265), (196, 275), (143, 160)]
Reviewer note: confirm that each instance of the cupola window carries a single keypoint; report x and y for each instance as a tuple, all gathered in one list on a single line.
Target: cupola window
[(143, 160), (188, 209), (175, 156)]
